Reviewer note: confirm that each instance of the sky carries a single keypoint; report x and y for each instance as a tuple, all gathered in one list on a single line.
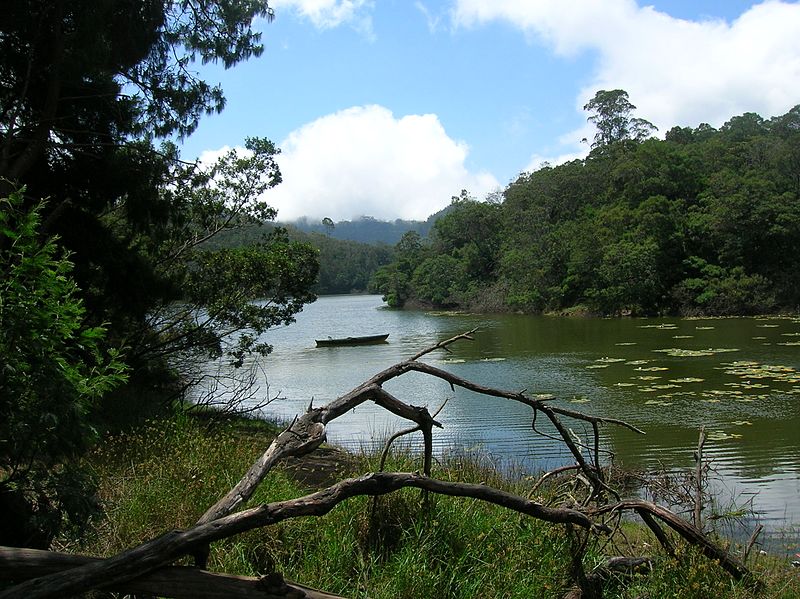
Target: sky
[(389, 108)]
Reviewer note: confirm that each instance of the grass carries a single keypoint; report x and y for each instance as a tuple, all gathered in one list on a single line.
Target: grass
[(167, 473)]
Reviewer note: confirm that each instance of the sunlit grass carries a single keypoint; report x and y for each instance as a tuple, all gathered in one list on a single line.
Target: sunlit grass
[(165, 475)]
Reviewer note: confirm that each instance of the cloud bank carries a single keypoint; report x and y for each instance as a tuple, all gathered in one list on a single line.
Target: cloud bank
[(364, 161), (677, 72)]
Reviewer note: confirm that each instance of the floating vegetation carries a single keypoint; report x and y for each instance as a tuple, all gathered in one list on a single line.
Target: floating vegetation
[(767, 326), (647, 378), (493, 360), (652, 369), (742, 423), (637, 362), (722, 436), (657, 402), (704, 328), (758, 338), (608, 360), (666, 386), (647, 389), (625, 384), (453, 361), (596, 366), (626, 343), (711, 400), (687, 379), (683, 336), (789, 343), (791, 334), (580, 400), (677, 352)]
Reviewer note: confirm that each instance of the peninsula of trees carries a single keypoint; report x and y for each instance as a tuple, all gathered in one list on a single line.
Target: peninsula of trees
[(705, 221)]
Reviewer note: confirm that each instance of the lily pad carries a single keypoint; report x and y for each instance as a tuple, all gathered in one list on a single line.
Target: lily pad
[(687, 379), (704, 328), (626, 343), (624, 384), (683, 336), (722, 436), (652, 369), (637, 362), (742, 423), (657, 402), (596, 366), (607, 360)]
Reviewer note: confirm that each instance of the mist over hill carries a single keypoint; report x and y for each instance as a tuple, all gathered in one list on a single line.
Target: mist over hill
[(367, 229)]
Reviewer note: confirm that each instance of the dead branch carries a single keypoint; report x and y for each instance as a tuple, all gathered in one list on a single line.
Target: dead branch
[(698, 482), (165, 549), (181, 582), (688, 532)]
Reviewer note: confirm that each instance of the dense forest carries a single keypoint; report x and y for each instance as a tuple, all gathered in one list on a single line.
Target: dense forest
[(705, 221), (345, 265), (367, 229)]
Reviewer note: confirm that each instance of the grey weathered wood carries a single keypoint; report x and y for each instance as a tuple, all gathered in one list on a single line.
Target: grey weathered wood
[(180, 582)]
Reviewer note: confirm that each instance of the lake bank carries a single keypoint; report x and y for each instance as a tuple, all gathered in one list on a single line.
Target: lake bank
[(163, 476), (736, 377)]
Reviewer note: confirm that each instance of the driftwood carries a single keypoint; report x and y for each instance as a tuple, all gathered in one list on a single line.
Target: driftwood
[(150, 561)]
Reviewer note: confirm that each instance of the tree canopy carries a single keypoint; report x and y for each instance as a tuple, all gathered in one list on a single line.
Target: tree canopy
[(705, 221), (93, 95)]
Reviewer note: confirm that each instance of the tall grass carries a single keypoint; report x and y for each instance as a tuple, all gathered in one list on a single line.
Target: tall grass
[(166, 474)]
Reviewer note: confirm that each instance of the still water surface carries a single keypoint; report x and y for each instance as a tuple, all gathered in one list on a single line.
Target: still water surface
[(737, 377)]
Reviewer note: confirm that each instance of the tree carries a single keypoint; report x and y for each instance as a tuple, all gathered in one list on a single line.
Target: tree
[(612, 117), (90, 88), (52, 373)]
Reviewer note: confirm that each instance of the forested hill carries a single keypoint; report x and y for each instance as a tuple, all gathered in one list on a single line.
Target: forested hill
[(345, 266), (367, 229), (706, 221)]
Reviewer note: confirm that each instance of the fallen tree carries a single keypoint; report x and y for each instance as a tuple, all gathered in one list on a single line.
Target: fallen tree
[(147, 567)]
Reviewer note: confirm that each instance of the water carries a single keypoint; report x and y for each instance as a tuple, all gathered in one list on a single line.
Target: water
[(737, 377)]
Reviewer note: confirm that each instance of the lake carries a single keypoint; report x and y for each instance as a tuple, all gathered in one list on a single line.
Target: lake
[(737, 377)]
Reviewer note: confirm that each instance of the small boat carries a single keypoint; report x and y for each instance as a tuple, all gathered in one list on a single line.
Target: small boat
[(365, 340)]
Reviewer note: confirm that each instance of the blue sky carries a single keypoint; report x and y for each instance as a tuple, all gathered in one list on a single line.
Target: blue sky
[(387, 108)]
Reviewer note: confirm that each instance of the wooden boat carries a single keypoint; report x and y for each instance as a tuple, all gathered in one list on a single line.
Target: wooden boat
[(365, 340)]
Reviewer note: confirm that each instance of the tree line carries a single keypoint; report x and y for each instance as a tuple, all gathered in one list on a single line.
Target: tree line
[(704, 221)]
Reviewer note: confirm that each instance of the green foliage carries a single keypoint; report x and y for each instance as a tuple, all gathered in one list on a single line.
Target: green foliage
[(394, 280), (703, 222), (54, 369), (612, 117)]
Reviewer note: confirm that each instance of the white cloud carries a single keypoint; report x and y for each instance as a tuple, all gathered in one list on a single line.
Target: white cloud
[(432, 20), (365, 161), (327, 14), (677, 72)]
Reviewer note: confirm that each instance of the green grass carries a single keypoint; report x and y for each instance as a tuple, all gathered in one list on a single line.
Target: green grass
[(167, 473)]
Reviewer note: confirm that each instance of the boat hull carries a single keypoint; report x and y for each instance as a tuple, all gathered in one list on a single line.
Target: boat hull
[(365, 340)]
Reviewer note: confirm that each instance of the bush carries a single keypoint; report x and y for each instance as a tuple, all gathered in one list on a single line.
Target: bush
[(53, 370)]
